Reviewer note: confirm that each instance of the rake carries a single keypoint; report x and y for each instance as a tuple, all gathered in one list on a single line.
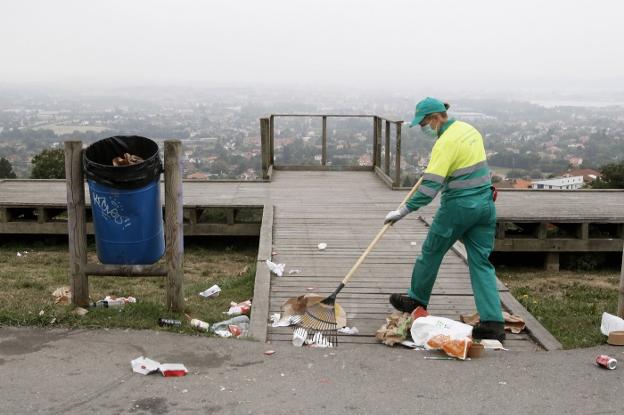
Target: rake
[(319, 320)]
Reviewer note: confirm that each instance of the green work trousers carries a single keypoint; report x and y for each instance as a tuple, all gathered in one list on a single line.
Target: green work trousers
[(473, 220)]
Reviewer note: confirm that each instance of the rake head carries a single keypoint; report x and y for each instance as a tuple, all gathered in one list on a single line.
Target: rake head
[(319, 321)]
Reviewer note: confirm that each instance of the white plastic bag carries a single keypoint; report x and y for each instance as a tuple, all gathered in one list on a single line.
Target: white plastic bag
[(610, 323), (424, 328)]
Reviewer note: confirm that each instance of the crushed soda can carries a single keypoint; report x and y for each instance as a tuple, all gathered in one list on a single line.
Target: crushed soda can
[(606, 361)]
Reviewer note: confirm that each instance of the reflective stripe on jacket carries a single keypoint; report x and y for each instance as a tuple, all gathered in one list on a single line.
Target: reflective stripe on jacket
[(457, 167)]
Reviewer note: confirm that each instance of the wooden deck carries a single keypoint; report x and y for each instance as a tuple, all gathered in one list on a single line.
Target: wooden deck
[(344, 210)]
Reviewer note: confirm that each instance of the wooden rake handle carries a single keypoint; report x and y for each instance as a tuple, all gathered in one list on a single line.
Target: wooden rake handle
[(379, 235)]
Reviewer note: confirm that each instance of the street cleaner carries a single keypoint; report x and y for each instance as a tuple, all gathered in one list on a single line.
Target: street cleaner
[(458, 168)]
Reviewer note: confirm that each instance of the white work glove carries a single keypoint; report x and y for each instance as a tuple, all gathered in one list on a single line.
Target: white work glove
[(396, 215)]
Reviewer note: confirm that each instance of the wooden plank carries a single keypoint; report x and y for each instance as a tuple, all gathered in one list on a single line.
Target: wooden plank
[(262, 282), (557, 245), (321, 168), (102, 270), (174, 225), (76, 223)]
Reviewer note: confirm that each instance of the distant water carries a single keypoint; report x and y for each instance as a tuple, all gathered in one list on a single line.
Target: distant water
[(575, 103)]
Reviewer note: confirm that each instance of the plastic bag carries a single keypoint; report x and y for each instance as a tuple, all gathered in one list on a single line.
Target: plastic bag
[(424, 328), (610, 323)]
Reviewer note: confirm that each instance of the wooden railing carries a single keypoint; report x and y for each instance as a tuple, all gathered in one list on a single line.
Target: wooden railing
[(382, 155)]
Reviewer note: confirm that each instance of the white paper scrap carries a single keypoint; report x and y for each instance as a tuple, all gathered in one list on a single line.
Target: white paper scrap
[(348, 330), (144, 365), (211, 292), (277, 269)]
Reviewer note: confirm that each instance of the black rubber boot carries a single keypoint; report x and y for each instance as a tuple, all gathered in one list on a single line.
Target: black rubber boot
[(405, 303), (494, 330)]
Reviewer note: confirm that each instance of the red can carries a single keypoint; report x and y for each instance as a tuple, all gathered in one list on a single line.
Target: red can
[(606, 361)]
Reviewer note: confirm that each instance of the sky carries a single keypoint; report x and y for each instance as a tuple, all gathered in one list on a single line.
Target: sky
[(461, 45)]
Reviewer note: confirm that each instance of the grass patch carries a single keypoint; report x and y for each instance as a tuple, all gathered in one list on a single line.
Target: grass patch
[(27, 283), (569, 304)]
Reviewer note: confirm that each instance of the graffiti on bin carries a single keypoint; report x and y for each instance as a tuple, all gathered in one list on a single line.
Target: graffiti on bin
[(109, 209)]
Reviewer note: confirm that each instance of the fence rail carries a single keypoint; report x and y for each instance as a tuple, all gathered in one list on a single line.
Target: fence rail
[(382, 133)]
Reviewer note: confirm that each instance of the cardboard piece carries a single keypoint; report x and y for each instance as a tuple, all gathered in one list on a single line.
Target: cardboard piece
[(616, 338), (513, 323)]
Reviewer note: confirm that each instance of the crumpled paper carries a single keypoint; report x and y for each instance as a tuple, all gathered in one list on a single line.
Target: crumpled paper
[(62, 295), (514, 324), (396, 329), (277, 269)]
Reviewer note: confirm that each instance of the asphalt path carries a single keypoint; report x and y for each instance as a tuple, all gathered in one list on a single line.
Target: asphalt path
[(63, 371)]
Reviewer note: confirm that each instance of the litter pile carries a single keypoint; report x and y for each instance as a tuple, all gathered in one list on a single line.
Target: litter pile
[(419, 330)]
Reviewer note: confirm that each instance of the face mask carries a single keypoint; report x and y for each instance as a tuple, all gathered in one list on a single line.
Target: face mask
[(429, 131)]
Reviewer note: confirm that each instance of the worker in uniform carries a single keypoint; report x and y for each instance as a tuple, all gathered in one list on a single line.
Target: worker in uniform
[(458, 169)]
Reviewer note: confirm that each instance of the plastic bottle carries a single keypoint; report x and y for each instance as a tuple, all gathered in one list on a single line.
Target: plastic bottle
[(109, 304), (169, 322)]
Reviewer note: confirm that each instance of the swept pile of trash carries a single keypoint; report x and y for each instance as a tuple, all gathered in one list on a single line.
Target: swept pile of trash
[(419, 330)]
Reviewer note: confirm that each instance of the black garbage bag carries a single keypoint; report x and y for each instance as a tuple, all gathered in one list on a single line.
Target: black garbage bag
[(98, 162)]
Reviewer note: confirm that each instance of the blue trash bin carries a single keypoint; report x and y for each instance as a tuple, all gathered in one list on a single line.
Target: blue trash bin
[(125, 201)]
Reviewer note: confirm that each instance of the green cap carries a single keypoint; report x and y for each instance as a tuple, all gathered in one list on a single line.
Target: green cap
[(425, 107)]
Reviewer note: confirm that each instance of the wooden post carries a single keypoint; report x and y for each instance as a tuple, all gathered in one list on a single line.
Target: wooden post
[(397, 156), (375, 139), (500, 230), (272, 140), (265, 142), (387, 150), (552, 261), (174, 230), (5, 215), (582, 232), (621, 291), (76, 223), (378, 134), (324, 142)]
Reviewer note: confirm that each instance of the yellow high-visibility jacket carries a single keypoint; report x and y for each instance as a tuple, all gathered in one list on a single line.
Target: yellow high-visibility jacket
[(458, 166)]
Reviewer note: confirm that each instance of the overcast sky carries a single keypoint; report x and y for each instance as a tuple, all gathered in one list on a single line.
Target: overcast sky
[(466, 45)]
